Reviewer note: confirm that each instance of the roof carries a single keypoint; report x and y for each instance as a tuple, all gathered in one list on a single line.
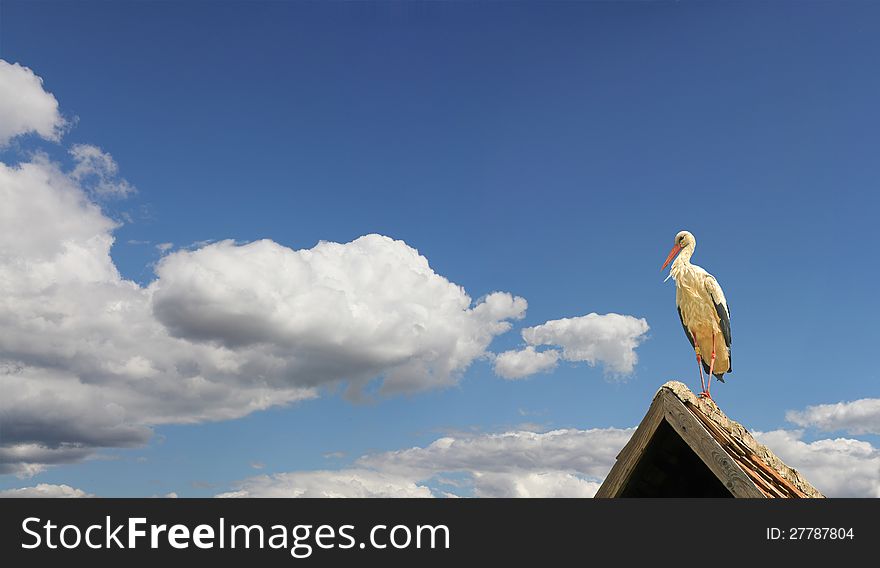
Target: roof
[(661, 457)]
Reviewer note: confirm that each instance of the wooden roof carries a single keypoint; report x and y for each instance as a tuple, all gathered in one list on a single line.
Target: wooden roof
[(744, 466)]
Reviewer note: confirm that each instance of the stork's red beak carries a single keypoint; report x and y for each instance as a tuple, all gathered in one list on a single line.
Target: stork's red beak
[(675, 250)]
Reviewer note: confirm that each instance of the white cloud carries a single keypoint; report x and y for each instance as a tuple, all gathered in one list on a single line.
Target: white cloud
[(609, 339), (165, 247), (89, 359), (45, 490), (561, 463), (323, 483), (856, 417), (49, 230), (520, 364), (587, 452), (26, 460), (83, 362), (97, 172), (355, 311), (534, 484), (25, 107), (839, 467)]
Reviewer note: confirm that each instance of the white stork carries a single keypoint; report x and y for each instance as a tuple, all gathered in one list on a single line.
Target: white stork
[(702, 309)]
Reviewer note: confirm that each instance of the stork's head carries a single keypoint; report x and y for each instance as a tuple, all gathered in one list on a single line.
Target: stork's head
[(683, 240)]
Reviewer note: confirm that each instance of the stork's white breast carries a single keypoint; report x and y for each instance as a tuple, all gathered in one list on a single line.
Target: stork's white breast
[(693, 299)]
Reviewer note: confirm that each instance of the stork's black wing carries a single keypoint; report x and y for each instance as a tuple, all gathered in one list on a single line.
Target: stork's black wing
[(684, 327), (717, 295), (723, 311), (724, 316)]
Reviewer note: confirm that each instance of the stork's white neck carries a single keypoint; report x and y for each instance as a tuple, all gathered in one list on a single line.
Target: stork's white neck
[(682, 261)]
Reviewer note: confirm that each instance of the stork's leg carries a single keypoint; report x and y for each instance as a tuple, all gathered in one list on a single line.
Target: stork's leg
[(699, 361), (700, 366), (711, 370)]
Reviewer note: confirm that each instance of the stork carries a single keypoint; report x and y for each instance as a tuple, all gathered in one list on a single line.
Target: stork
[(702, 310)]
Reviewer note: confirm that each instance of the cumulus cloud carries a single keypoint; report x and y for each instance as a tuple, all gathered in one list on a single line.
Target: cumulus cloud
[(609, 339), (355, 311), (856, 417), (526, 362), (588, 452), (50, 230), (98, 172), (561, 463), (534, 484), (28, 459), (322, 483), (89, 359), (83, 362), (45, 490), (25, 107), (839, 467)]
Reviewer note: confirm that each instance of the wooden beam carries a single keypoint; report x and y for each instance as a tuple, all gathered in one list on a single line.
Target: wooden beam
[(632, 452)]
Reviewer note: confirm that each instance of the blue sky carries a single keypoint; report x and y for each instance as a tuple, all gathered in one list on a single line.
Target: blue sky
[(548, 150)]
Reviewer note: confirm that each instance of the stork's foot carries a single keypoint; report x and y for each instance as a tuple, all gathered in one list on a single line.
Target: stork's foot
[(705, 394)]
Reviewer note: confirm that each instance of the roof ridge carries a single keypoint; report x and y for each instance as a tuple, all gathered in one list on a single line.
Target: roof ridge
[(738, 442)]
